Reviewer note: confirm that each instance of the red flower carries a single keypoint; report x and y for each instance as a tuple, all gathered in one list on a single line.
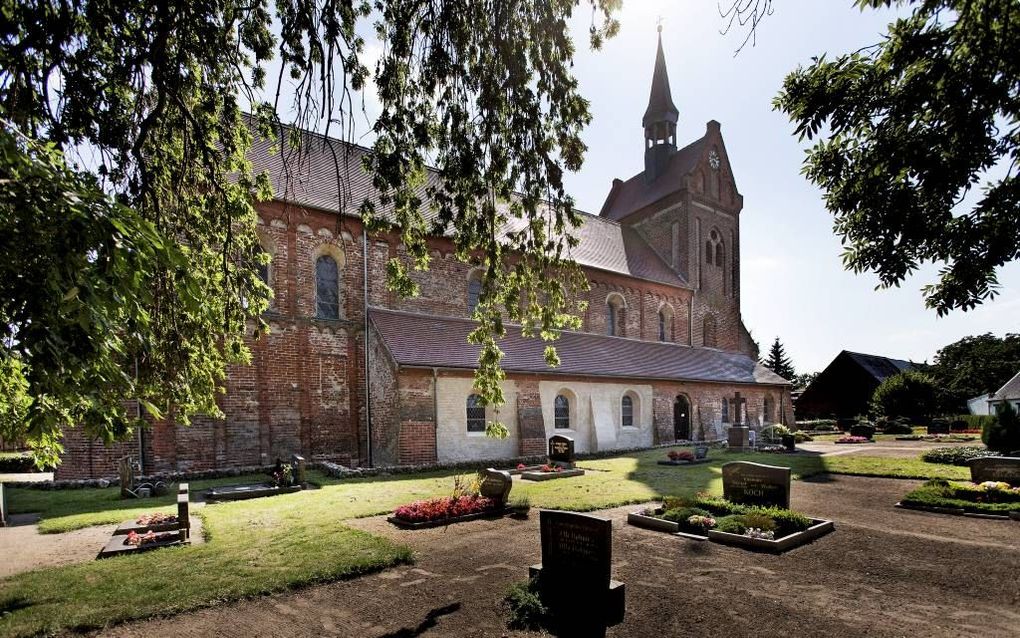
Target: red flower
[(438, 508), (521, 466)]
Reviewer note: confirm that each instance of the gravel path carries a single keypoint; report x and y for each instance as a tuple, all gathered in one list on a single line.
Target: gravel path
[(883, 572)]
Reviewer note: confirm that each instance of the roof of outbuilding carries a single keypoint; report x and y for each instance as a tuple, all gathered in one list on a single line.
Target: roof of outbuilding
[(880, 367), (1010, 391), (429, 341), (310, 179), (627, 197)]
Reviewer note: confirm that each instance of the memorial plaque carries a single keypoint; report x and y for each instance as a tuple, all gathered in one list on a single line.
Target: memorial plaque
[(561, 449), (577, 549), (996, 468), (700, 453), (496, 485), (756, 484)]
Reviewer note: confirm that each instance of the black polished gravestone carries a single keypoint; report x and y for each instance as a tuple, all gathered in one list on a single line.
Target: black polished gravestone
[(561, 450), (496, 485), (756, 484), (996, 468), (574, 577)]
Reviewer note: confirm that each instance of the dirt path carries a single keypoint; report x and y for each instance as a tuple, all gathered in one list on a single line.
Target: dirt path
[(883, 572), (23, 548)]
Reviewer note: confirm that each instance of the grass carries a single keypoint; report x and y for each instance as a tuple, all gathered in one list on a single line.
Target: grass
[(265, 545)]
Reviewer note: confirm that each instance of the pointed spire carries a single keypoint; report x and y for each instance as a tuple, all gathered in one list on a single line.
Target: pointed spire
[(660, 101)]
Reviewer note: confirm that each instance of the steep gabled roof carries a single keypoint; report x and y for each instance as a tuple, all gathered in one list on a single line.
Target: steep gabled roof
[(310, 179), (637, 192), (880, 367), (1010, 391), (428, 341)]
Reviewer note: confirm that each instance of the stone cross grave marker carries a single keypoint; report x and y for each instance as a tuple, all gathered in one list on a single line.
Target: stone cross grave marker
[(574, 577), (996, 468), (561, 450), (496, 485), (756, 484)]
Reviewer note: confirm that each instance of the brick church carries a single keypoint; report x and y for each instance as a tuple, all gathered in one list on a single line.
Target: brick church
[(352, 373)]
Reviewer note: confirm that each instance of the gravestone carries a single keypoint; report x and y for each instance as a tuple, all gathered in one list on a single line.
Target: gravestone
[(756, 484), (184, 514), (126, 474), (496, 485), (996, 468), (700, 453), (738, 437), (561, 450), (3, 507), (575, 575), (298, 467), (938, 427)]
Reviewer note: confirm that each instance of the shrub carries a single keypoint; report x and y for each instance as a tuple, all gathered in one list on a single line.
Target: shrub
[(1003, 434), (958, 455), (520, 504), (802, 437), (678, 502), (911, 394), (817, 424), (759, 520), (718, 506), (975, 421), (895, 427), (864, 430), (731, 524), (774, 432), (681, 514), (787, 521), (524, 606)]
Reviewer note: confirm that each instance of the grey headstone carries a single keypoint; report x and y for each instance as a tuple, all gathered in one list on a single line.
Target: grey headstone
[(126, 473), (996, 468), (496, 485), (299, 469), (756, 484), (700, 452), (738, 437), (561, 449)]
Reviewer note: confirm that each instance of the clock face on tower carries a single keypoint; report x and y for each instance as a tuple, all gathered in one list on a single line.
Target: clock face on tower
[(713, 160)]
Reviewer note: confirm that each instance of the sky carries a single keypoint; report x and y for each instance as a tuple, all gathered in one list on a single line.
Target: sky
[(793, 284), (792, 281)]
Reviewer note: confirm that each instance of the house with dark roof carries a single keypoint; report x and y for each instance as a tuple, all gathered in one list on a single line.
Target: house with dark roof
[(1008, 393), (845, 387), (353, 373)]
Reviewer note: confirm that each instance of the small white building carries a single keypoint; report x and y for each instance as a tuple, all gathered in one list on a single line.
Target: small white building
[(1009, 393), (979, 405)]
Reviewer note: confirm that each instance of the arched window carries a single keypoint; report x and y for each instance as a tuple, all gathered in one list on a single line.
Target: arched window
[(475, 414), (708, 252), (708, 337), (662, 326), (665, 323), (474, 290), (327, 288), (627, 411), (264, 274), (561, 412), (610, 319), (715, 252), (725, 410), (769, 418), (720, 255), (614, 315)]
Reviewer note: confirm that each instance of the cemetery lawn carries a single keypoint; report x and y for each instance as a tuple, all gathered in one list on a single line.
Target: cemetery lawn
[(271, 544)]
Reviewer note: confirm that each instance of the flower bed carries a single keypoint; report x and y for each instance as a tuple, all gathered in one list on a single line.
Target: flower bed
[(435, 512), (548, 472), (706, 517), (681, 457), (991, 498), (955, 455), (852, 440)]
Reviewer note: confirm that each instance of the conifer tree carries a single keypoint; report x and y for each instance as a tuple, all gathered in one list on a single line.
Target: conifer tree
[(778, 362)]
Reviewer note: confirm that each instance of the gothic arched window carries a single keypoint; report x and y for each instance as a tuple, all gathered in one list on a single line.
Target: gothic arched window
[(561, 412), (327, 288), (475, 414), (474, 290), (627, 411)]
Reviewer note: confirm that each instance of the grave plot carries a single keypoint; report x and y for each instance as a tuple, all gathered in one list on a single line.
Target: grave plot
[(754, 512), (686, 457), (992, 492), (286, 479), (561, 461), (489, 501), (152, 531)]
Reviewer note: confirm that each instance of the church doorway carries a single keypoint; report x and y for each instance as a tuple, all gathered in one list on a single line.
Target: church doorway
[(681, 418)]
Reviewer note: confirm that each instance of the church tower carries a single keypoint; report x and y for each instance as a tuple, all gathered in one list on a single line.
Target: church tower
[(660, 120)]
